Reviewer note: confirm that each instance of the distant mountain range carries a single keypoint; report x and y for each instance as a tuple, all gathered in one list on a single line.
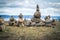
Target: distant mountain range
[(27, 16)]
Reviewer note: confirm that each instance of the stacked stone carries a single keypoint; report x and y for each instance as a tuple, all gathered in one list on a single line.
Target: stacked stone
[(1, 24), (20, 20), (50, 22), (37, 15), (12, 21)]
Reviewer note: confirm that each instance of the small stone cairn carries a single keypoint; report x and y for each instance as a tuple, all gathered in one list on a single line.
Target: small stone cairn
[(12, 21), (20, 20), (2, 27)]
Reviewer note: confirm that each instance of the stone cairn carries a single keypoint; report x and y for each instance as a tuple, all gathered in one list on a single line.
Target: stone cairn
[(36, 18), (20, 20), (49, 22), (35, 21), (37, 15), (12, 21), (1, 24)]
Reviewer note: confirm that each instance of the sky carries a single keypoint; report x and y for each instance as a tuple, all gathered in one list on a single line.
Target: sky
[(28, 7)]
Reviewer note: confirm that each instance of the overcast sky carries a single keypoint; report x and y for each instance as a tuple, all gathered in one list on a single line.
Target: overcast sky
[(28, 7)]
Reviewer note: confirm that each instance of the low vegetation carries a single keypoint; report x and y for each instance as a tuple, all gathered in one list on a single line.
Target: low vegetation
[(30, 33)]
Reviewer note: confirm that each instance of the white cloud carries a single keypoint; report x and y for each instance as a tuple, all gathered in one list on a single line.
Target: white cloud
[(25, 3), (17, 11), (50, 11), (55, 3), (29, 7), (28, 11)]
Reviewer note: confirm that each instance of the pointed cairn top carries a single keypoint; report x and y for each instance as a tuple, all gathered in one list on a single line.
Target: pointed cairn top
[(20, 16), (37, 8)]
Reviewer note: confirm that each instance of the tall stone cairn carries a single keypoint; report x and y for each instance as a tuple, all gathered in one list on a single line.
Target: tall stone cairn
[(37, 15)]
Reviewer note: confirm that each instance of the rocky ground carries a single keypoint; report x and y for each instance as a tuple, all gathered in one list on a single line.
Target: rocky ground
[(31, 33)]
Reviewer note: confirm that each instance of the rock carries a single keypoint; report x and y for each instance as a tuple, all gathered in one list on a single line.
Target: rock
[(35, 20), (33, 23), (12, 21), (20, 22), (1, 24), (0, 28), (20, 16), (37, 14), (48, 21), (28, 23), (42, 23)]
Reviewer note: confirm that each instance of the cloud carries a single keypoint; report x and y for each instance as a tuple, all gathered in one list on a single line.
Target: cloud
[(17, 11), (50, 11), (17, 3), (28, 11), (55, 5), (28, 7), (52, 0)]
